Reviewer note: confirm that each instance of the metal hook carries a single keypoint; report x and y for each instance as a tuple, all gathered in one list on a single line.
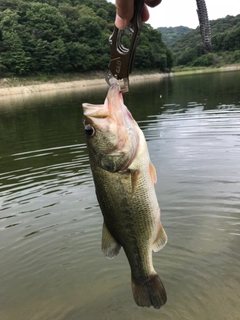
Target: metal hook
[(121, 61)]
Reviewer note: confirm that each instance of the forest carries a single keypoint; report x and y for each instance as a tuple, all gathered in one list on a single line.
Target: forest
[(59, 36), (225, 34), (71, 36), (171, 35)]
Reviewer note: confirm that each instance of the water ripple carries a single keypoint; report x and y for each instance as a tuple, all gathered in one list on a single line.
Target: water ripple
[(50, 221)]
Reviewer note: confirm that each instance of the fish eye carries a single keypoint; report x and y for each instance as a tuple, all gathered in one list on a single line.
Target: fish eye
[(89, 130)]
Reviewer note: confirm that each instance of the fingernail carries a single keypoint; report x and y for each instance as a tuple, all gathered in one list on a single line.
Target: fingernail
[(120, 23)]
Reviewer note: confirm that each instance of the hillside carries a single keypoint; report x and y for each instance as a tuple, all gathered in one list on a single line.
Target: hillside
[(172, 34), (225, 45), (62, 36)]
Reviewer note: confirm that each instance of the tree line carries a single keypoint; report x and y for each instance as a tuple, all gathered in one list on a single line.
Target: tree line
[(64, 36), (59, 36), (188, 51)]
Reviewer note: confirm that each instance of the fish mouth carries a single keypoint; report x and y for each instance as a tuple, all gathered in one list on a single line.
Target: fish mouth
[(111, 108), (95, 111), (114, 90), (114, 95), (116, 138)]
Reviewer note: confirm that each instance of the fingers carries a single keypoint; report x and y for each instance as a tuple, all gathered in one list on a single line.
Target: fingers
[(145, 14), (124, 11)]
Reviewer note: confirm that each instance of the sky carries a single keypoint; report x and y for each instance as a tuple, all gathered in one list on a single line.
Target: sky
[(172, 13)]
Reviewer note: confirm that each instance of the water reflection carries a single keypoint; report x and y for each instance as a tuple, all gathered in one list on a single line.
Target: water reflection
[(50, 225)]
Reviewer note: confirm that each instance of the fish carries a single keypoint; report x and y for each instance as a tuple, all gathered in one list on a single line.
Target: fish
[(124, 179)]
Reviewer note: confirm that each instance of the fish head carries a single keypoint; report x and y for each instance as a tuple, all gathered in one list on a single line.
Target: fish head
[(111, 132)]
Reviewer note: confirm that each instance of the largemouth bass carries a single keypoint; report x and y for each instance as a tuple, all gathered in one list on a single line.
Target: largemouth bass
[(124, 179)]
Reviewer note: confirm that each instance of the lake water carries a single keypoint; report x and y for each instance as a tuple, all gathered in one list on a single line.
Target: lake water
[(51, 265)]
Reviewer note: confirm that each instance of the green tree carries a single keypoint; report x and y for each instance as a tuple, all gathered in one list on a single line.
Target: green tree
[(12, 55), (225, 41), (51, 36)]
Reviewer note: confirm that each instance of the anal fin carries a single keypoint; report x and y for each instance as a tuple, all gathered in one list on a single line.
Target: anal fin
[(110, 246), (161, 239)]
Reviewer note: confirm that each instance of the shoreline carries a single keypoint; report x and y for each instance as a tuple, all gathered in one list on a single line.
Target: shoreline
[(83, 84), (233, 67), (86, 84)]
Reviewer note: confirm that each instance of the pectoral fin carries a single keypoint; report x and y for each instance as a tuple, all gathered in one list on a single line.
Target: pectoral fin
[(161, 239), (110, 247), (153, 173), (134, 179)]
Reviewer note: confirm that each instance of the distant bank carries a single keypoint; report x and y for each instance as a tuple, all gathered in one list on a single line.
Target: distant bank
[(51, 86), (85, 84), (189, 70)]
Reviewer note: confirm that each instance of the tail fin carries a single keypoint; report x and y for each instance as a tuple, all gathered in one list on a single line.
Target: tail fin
[(149, 292)]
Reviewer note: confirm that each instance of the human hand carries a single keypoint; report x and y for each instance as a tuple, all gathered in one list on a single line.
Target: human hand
[(125, 8)]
